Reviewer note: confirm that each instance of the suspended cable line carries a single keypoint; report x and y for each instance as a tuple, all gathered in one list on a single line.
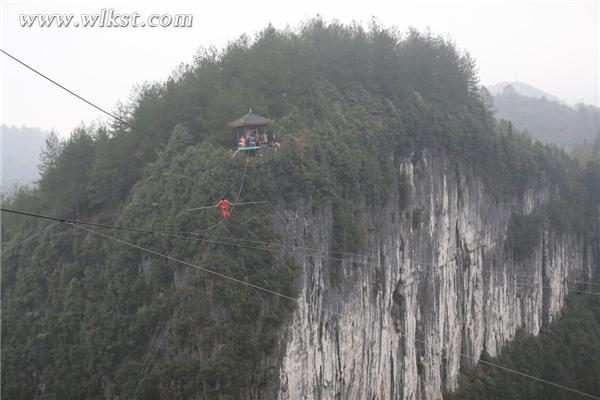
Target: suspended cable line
[(29, 238), (214, 239), (202, 208), (237, 198), (115, 117), (209, 271), (535, 378), (149, 358), (513, 371), (258, 272), (245, 203), (510, 370), (287, 297), (238, 242)]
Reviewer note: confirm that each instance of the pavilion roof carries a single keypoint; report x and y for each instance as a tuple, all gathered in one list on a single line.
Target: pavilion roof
[(250, 119)]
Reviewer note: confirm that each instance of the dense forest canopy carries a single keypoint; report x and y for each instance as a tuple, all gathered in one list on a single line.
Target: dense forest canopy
[(83, 316), (548, 120), (568, 351)]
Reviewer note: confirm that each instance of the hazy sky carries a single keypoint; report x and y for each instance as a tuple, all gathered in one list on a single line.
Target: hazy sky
[(553, 45)]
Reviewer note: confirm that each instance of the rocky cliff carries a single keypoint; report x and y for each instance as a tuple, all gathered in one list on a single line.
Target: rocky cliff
[(431, 274), (434, 288)]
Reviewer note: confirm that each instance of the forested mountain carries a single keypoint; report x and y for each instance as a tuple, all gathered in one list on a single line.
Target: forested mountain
[(548, 120), (567, 351), (21, 149), (522, 89), (387, 206)]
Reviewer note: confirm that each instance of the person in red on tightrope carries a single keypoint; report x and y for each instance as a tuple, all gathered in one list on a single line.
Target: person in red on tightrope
[(224, 204)]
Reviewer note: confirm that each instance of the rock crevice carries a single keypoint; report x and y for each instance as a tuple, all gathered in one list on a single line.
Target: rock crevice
[(438, 283)]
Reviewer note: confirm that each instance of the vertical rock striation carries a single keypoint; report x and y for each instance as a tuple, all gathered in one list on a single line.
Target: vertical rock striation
[(434, 284)]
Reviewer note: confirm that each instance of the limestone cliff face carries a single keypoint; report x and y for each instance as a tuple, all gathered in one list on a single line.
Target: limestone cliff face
[(434, 284)]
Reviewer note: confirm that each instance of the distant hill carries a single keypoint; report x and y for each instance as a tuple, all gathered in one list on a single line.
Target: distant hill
[(386, 157), (545, 119), (521, 88), (21, 149)]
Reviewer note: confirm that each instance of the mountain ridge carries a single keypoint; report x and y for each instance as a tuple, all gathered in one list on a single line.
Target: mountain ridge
[(389, 166), (522, 88)]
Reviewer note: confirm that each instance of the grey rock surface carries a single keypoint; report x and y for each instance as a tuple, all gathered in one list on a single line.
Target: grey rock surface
[(434, 286)]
